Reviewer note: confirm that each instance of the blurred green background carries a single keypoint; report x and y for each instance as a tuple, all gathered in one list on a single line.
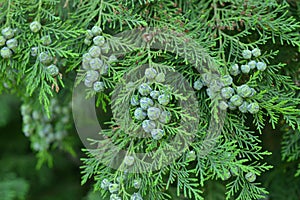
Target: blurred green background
[(18, 174)]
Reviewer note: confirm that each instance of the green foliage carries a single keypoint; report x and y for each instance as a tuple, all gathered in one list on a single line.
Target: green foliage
[(6, 114), (187, 41), (12, 187), (291, 147), (26, 71), (93, 196)]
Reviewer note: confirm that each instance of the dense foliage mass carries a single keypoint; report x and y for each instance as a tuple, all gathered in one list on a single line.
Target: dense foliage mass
[(187, 93)]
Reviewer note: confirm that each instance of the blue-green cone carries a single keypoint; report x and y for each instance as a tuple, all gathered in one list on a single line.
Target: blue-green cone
[(113, 188), (246, 54), (95, 51), (112, 58), (198, 84), (87, 41), (134, 101), (236, 100), (191, 156), (154, 94), (98, 86), (104, 69), (253, 92), (144, 89), (223, 105), (99, 40), (209, 92), (2, 41), (34, 51), (140, 114), (160, 78), (227, 80), (234, 171), (88, 83), (96, 63), (157, 134), (226, 175), (251, 177), (165, 117), (245, 69), (215, 85), (252, 64), (105, 48), (5, 53), (261, 66), (253, 108), (244, 91), (206, 78), (256, 52), (8, 33), (35, 26), (105, 184), (136, 196), (53, 70), (137, 183), (114, 197), (153, 113), (231, 106), (234, 70), (148, 125), (92, 75), (163, 99), (89, 34), (86, 57), (46, 40), (128, 160), (150, 73), (146, 102), (227, 92), (45, 58), (244, 107), (12, 44), (96, 30)]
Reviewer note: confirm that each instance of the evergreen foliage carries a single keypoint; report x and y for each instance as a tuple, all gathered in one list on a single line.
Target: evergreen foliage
[(197, 111), (12, 187)]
